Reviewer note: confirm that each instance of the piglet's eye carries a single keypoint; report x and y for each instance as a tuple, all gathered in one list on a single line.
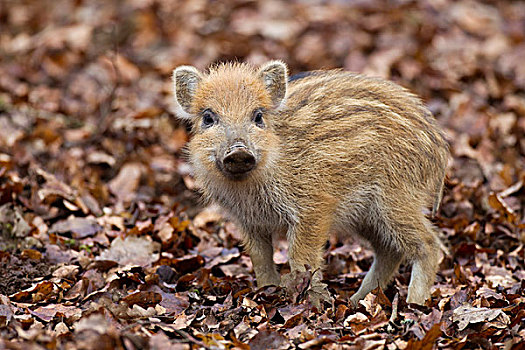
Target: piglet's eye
[(258, 118), (208, 118)]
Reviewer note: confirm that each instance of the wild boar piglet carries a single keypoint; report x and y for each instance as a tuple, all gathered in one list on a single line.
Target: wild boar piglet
[(326, 151)]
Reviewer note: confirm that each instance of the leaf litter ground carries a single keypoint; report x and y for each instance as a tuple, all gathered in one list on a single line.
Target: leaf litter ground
[(103, 243)]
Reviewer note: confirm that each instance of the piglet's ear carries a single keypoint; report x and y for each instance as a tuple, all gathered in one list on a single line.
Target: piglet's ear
[(274, 75), (186, 79)]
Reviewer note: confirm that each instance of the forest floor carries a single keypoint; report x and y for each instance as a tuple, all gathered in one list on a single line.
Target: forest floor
[(103, 244)]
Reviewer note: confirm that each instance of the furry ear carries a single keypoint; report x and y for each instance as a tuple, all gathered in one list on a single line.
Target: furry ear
[(186, 79), (274, 75)]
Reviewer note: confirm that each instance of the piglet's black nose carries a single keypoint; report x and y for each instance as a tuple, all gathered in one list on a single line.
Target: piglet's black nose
[(238, 161)]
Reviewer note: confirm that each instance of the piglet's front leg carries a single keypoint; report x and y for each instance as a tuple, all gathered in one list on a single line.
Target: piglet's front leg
[(258, 243), (306, 242)]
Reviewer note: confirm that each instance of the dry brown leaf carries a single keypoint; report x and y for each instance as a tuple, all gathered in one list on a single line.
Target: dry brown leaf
[(78, 227), (125, 184), (466, 315), (131, 250)]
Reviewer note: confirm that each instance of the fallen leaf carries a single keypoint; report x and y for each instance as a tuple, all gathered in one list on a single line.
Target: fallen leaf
[(267, 339), (127, 181), (143, 299), (78, 227), (131, 250), (466, 314)]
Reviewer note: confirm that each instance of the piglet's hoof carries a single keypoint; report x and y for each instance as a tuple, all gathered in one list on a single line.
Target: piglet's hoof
[(296, 282), (354, 300), (301, 285), (318, 294)]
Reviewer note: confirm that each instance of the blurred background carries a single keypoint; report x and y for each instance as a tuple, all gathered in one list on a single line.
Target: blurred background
[(90, 149), (74, 72)]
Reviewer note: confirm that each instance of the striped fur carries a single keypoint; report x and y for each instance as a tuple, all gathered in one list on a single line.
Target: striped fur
[(341, 152)]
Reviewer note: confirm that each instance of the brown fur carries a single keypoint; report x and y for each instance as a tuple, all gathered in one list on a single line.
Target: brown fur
[(338, 152)]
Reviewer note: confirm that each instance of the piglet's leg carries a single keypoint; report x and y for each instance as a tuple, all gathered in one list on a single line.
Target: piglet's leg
[(306, 242), (258, 243), (384, 266), (424, 266)]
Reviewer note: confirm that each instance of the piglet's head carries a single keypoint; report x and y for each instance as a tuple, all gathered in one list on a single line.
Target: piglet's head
[(233, 109)]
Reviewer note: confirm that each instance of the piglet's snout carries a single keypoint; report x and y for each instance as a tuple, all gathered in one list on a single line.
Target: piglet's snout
[(238, 159)]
